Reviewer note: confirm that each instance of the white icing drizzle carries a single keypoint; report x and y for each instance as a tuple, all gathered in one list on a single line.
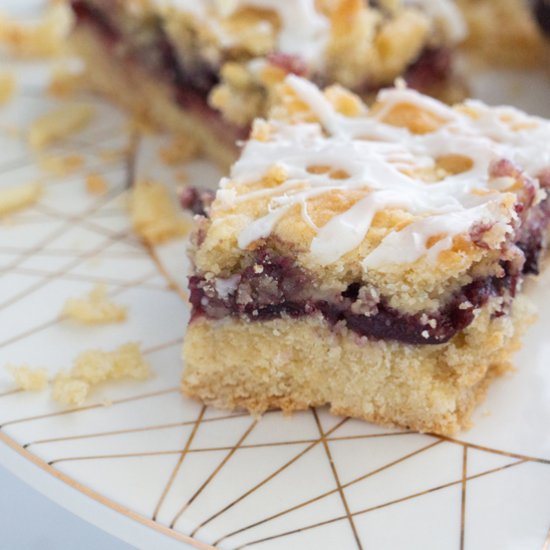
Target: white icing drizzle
[(379, 159)]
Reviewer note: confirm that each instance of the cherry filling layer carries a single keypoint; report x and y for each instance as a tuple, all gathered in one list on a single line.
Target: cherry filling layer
[(273, 287)]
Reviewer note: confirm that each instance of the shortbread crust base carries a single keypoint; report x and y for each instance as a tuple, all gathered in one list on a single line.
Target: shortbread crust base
[(148, 98), (293, 364)]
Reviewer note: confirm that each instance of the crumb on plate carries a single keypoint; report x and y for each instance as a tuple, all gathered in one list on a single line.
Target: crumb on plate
[(44, 37), (112, 155), (17, 197), (59, 124), (65, 82), (94, 367), (94, 308), (7, 87), (69, 391), (179, 151), (28, 378), (155, 215), (61, 166), (96, 184)]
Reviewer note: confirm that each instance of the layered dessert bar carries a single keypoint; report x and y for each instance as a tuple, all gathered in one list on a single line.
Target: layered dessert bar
[(207, 68), (503, 32), (371, 260)]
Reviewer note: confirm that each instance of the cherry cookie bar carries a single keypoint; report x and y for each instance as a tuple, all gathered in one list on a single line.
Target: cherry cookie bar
[(209, 67), (369, 259)]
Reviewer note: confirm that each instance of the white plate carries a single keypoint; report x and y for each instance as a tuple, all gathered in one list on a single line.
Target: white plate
[(159, 470)]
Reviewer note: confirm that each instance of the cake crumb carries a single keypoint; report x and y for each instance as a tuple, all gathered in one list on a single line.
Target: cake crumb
[(113, 155), (96, 184), (17, 197), (94, 367), (7, 87), (59, 124), (95, 308), (181, 177), (179, 151), (69, 391), (29, 379), (65, 82), (61, 166), (155, 215), (42, 38)]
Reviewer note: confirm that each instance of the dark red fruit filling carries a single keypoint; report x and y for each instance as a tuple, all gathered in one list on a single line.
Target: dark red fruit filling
[(291, 64), (273, 287), (541, 9), (85, 12), (159, 55), (431, 69), (196, 200)]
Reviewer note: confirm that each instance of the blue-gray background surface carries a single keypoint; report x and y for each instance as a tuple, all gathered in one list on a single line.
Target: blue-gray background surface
[(30, 521)]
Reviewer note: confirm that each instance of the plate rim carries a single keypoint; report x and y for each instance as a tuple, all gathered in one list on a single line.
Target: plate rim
[(78, 488)]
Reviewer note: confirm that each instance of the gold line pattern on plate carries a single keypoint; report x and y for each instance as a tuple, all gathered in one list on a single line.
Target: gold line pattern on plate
[(105, 206)]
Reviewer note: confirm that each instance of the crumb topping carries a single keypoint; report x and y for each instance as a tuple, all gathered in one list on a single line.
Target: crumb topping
[(434, 166)]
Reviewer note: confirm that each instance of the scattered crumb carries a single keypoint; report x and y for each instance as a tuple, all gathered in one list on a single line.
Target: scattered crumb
[(96, 184), (65, 82), (95, 308), (69, 391), (29, 379), (12, 131), (140, 125), (155, 215), (61, 166), (17, 197), (113, 155), (179, 151), (43, 38), (96, 366), (181, 177), (59, 124), (7, 87)]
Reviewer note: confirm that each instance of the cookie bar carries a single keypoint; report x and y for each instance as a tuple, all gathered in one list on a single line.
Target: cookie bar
[(207, 68), (369, 259)]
